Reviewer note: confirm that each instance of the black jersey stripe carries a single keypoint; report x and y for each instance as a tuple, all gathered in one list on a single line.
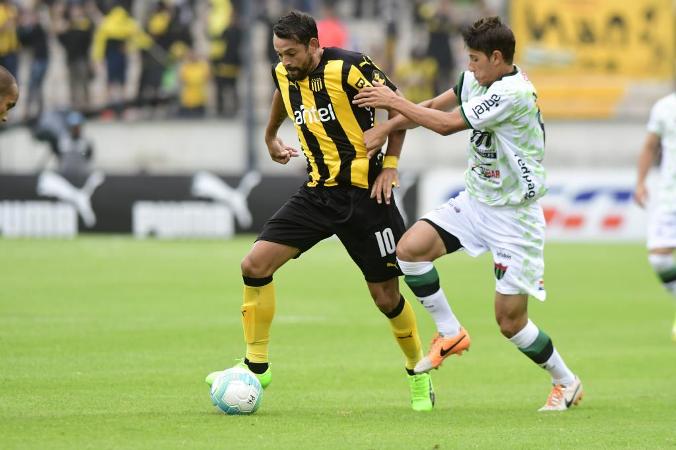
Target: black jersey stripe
[(315, 156), (336, 129)]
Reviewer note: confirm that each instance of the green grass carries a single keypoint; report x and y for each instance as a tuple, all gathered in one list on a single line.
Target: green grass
[(105, 342)]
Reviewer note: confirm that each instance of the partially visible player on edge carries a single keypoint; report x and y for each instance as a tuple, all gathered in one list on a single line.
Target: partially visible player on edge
[(662, 225), (9, 93), (498, 210), (315, 87)]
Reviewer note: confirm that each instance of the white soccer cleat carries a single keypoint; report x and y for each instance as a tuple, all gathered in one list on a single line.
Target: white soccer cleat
[(563, 397)]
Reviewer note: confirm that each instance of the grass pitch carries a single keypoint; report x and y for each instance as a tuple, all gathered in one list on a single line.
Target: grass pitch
[(105, 342)]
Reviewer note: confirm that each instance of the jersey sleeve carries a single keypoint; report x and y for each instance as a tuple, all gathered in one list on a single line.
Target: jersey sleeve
[(458, 87), (363, 72), (655, 122), (488, 110)]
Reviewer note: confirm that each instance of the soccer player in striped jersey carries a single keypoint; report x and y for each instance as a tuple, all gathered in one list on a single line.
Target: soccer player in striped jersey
[(347, 194), (662, 225), (498, 210)]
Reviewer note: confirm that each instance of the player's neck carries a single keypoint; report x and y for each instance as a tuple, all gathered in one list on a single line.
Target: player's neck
[(316, 60), (506, 69)]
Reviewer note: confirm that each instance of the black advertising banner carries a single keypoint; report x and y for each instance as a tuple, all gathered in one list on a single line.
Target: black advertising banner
[(122, 204)]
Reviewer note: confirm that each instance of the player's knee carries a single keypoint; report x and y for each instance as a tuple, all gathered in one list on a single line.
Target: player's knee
[(509, 326), (385, 295), (405, 251), (253, 268)]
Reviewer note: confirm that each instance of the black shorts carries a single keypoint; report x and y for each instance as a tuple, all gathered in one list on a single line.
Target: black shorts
[(369, 231)]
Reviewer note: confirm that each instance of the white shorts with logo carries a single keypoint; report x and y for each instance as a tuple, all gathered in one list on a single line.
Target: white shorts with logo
[(662, 229), (514, 235)]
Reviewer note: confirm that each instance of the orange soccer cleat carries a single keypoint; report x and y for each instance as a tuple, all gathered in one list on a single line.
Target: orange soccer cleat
[(441, 348)]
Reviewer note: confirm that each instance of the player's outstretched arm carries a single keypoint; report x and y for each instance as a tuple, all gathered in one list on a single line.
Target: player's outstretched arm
[(645, 161), (442, 122), (376, 136), (388, 178), (279, 152)]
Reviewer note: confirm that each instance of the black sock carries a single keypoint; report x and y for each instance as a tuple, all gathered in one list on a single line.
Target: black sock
[(258, 368)]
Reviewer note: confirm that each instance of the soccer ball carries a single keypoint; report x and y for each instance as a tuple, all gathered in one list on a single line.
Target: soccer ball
[(236, 391)]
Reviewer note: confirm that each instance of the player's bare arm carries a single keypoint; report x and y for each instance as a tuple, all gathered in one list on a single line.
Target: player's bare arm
[(376, 136), (648, 155), (442, 122), (389, 176), (279, 152)]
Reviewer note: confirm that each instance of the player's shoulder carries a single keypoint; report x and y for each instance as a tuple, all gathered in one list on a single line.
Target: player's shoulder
[(665, 104), (513, 82), (350, 57), (278, 68)]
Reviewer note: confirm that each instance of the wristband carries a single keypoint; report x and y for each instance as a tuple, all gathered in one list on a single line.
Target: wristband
[(390, 162)]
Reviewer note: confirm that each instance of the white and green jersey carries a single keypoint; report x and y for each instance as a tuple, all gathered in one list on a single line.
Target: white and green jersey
[(662, 122), (508, 139)]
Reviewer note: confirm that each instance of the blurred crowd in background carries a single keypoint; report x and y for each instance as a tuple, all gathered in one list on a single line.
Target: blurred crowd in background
[(149, 59)]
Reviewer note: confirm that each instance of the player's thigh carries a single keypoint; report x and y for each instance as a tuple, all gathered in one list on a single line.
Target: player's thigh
[(425, 242), (458, 225), (370, 234), (265, 258)]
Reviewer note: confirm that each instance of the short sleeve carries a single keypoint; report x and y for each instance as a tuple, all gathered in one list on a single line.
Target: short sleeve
[(458, 86), (372, 72), (655, 122), (488, 110)]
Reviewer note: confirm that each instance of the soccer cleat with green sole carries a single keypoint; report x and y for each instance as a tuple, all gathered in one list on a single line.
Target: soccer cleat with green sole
[(422, 392), (265, 378)]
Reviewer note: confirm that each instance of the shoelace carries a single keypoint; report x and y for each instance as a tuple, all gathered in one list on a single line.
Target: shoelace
[(555, 396), (420, 386)]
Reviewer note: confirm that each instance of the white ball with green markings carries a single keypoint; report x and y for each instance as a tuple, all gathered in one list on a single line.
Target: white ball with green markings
[(236, 391)]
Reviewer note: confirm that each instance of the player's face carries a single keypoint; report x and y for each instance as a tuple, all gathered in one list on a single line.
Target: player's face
[(297, 58), (484, 68), (8, 101)]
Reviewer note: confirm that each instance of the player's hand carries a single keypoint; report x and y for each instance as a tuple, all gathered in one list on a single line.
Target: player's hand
[(376, 96), (641, 195), (374, 139), (279, 152), (385, 182)]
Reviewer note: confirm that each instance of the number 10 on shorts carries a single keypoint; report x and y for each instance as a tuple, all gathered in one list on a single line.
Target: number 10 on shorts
[(386, 242)]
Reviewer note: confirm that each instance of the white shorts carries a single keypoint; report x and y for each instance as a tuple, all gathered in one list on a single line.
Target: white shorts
[(514, 235), (662, 229)]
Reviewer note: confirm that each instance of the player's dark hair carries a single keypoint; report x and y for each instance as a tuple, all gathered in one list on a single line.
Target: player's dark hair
[(296, 25), (489, 34)]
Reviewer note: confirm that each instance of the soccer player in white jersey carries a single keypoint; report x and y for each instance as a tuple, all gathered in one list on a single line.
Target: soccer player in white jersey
[(662, 225), (498, 210)]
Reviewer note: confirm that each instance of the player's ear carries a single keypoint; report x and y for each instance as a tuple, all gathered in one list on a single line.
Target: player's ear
[(313, 44), (496, 57)]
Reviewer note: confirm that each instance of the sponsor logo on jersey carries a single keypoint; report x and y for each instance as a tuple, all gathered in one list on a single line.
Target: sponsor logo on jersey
[(378, 77), (486, 105), (311, 115), (526, 175), (485, 171), (482, 141)]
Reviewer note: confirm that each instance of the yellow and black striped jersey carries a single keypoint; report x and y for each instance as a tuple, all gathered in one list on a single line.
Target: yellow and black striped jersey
[(330, 128)]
